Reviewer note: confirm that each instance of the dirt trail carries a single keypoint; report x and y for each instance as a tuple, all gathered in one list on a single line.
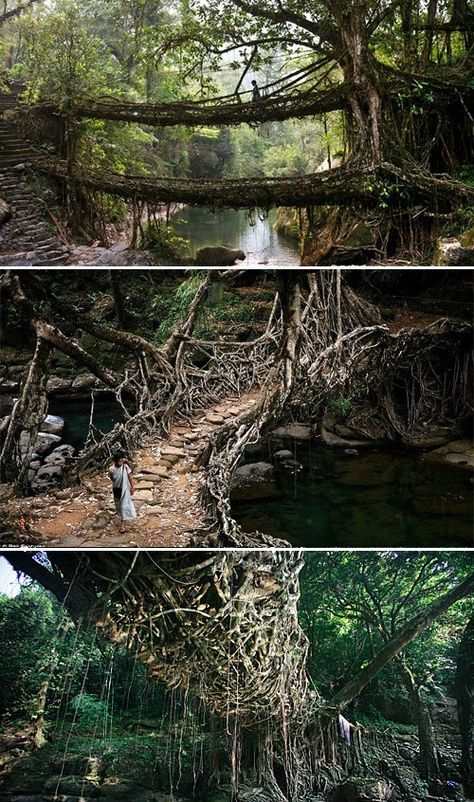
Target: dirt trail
[(167, 494)]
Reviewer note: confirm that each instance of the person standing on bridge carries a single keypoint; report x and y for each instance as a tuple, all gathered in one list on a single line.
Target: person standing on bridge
[(123, 488), (256, 96)]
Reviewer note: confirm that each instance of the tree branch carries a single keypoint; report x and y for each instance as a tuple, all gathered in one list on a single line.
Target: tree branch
[(400, 641)]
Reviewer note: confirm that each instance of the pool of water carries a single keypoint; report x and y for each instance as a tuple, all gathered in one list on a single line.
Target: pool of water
[(235, 229), (76, 418), (371, 500)]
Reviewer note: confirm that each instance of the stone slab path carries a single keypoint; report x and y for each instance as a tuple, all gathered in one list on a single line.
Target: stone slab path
[(167, 494), (26, 238)]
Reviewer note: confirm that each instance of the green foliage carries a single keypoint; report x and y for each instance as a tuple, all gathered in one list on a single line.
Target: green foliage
[(340, 405), (26, 625), (352, 602), (89, 711), (63, 58), (385, 192), (176, 305), (164, 241)]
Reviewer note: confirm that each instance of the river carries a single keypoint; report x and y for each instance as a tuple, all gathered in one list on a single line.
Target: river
[(234, 228)]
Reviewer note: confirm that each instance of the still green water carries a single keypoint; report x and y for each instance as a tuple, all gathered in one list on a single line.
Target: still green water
[(371, 500), (76, 418), (235, 229)]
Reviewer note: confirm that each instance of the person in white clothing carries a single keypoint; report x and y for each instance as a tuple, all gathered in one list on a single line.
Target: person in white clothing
[(123, 488)]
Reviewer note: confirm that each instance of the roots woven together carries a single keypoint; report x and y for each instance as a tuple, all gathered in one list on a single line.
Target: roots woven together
[(223, 627), (322, 342)]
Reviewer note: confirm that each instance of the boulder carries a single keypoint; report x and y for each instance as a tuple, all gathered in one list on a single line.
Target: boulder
[(297, 431), (52, 424), (458, 452), (48, 476), (450, 253), (83, 382), (362, 790), (55, 459), (218, 256), (285, 459), (45, 442), (66, 450), (57, 385), (253, 481), (282, 455), (336, 441)]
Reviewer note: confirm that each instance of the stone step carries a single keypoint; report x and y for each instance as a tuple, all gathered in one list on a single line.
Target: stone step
[(171, 451), (60, 260), (156, 470)]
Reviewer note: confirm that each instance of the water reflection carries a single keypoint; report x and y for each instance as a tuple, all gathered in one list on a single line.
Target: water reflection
[(236, 229), (384, 499)]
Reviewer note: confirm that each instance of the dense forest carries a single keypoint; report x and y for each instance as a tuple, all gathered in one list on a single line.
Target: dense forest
[(360, 134), (229, 385), (223, 677)]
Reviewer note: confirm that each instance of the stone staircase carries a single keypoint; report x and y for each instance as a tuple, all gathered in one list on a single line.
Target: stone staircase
[(25, 238), (13, 149)]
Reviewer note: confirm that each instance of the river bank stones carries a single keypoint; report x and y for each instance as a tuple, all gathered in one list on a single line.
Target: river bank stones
[(53, 424), (256, 480)]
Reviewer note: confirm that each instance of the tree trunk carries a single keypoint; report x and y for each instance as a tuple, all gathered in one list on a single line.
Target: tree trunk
[(400, 641), (465, 701), (432, 11), (429, 764), (27, 415), (360, 77), (118, 299)]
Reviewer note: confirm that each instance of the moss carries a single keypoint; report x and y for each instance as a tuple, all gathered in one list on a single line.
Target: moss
[(287, 223), (467, 238)]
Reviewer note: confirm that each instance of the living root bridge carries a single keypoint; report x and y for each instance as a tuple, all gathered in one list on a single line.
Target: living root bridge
[(223, 626), (281, 107), (321, 342), (351, 185), (297, 104)]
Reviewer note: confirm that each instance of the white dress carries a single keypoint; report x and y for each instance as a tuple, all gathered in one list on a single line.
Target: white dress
[(123, 499)]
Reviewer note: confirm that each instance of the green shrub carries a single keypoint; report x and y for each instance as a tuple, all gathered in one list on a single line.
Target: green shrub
[(340, 405), (164, 241)]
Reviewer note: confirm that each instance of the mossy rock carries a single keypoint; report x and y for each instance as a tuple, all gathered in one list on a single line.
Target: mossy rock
[(23, 781), (375, 790), (125, 791), (73, 785), (122, 789), (74, 765)]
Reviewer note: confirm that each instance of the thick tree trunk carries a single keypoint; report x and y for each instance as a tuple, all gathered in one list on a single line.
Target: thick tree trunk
[(465, 702), (69, 346), (359, 74), (118, 299)]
